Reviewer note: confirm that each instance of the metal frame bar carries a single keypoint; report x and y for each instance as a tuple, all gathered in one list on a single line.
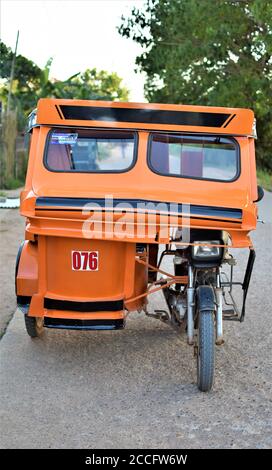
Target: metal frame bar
[(170, 279), (246, 282), (244, 285), (190, 306), (189, 280), (219, 310), (165, 253)]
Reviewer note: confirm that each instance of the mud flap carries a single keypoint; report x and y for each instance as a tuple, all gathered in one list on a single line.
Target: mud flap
[(205, 298)]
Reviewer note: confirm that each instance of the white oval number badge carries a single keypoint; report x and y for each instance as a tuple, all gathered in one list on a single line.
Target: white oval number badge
[(85, 260)]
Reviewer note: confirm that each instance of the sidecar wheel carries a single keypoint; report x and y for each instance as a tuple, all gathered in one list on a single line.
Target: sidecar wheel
[(34, 326), (205, 355)]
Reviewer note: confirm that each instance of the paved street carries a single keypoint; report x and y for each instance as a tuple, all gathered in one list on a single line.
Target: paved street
[(136, 387)]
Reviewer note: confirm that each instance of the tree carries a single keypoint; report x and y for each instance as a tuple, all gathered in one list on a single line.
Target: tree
[(26, 71), (208, 52), (31, 83), (92, 84), (27, 76)]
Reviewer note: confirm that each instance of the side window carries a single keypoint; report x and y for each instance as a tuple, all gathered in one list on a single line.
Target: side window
[(203, 157), (90, 150)]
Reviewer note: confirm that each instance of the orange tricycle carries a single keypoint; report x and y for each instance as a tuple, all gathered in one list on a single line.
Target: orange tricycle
[(123, 200)]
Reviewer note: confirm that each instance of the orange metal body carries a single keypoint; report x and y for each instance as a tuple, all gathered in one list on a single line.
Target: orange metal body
[(45, 268)]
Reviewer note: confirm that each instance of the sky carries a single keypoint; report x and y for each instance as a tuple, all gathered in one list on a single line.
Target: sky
[(78, 34)]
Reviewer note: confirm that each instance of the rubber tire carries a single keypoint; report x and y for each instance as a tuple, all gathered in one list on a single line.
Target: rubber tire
[(32, 327), (205, 356)]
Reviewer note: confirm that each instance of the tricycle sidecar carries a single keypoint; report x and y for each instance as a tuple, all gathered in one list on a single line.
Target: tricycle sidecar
[(114, 188)]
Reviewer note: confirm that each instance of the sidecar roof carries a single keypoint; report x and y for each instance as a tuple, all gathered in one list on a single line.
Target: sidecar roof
[(145, 116)]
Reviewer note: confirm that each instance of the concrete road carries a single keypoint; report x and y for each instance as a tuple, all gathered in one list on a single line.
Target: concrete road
[(136, 388)]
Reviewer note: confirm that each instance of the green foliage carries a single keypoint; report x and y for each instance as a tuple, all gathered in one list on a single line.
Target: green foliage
[(27, 78), (92, 84), (31, 83), (21, 164), (25, 73), (13, 183), (265, 179), (7, 146), (208, 52)]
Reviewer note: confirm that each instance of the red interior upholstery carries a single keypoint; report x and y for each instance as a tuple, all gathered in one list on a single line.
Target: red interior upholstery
[(192, 163), (58, 157), (160, 157)]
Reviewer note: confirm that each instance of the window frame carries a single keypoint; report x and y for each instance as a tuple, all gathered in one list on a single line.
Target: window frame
[(74, 129), (173, 175)]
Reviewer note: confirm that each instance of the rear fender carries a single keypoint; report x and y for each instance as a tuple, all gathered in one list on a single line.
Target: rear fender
[(26, 272)]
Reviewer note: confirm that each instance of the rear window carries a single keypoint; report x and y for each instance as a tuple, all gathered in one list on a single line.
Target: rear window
[(202, 157), (87, 150)]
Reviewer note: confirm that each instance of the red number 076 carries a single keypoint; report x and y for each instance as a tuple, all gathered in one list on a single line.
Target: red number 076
[(85, 260)]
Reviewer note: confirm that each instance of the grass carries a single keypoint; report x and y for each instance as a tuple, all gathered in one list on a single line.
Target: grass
[(13, 183), (265, 179)]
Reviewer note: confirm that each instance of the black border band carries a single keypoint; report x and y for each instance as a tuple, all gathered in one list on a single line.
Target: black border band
[(23, 299), (47, 203), (143, 115), (103, 306), (79, 324)]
